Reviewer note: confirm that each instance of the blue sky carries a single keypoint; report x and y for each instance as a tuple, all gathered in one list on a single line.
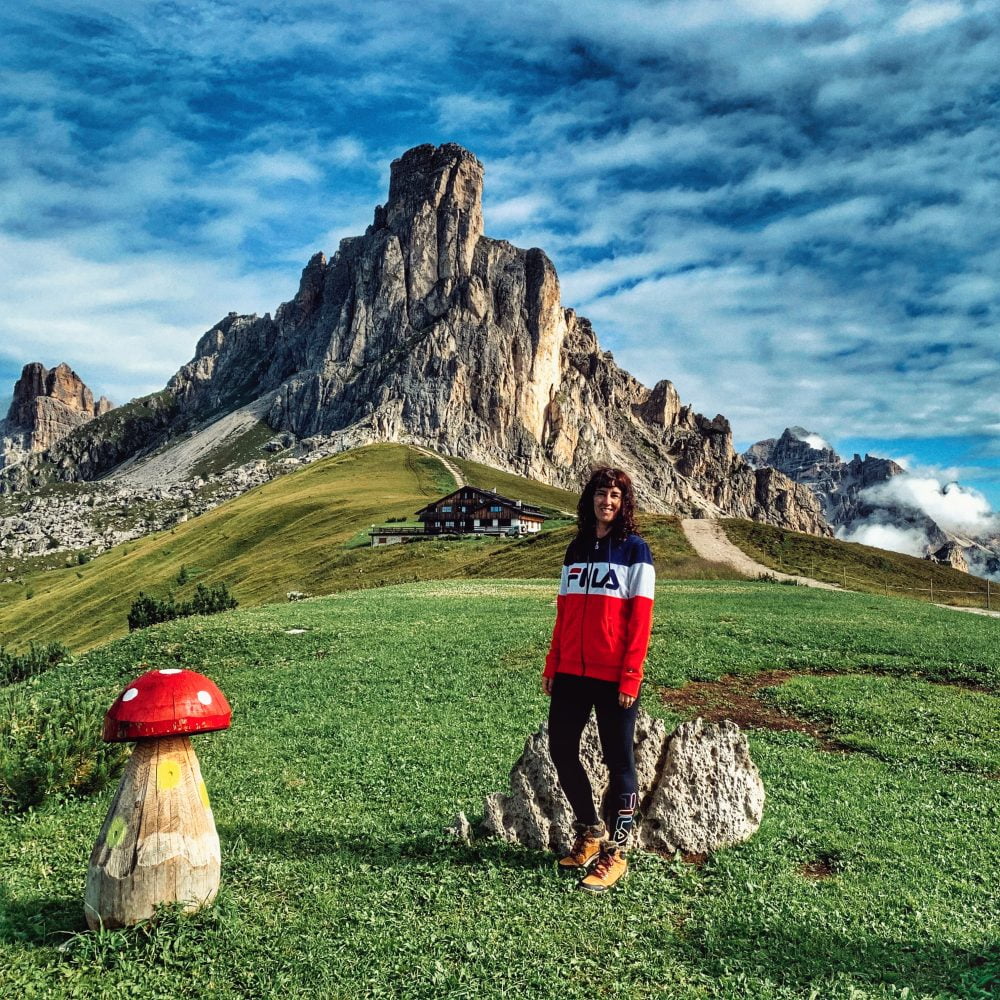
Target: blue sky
[(787, 207)]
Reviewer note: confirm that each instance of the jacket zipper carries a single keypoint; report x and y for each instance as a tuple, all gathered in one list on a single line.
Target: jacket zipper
[(583, 619)]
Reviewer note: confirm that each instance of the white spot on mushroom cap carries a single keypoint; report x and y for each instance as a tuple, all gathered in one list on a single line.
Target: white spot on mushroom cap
[(130, 694), (204, 697), (170, 670)]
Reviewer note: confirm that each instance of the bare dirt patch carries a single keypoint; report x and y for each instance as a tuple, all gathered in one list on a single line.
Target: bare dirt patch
[(821, 868), (735, 698)]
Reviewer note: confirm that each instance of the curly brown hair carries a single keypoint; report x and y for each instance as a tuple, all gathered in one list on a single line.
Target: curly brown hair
[(624, 522)]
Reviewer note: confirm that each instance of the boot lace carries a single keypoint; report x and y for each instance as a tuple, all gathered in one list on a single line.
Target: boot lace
[(604, 863)]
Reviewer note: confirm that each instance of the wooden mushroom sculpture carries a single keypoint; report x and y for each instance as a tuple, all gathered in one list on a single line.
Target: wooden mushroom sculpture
[(158, 843)]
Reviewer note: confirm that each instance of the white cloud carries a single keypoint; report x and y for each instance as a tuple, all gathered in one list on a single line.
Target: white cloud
[(133, 322), (514, 211), (909, 541), (277, 167), (925, 16), (458, 110), (954, 507), (787, 10), (814, 441), (346, 151)]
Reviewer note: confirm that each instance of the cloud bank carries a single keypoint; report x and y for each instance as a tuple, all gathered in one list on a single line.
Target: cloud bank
[(955, 508)]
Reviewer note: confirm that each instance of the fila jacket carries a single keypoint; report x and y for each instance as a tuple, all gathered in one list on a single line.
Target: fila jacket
[(604, 612)]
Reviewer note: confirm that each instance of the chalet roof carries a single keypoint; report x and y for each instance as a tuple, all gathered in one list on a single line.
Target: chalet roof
[(489, 497)]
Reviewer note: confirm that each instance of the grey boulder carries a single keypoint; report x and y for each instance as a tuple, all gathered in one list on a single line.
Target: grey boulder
[(699, 790)]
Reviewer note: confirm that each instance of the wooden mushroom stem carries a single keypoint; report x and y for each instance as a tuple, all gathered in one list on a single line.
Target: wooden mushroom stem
[(158, 843)]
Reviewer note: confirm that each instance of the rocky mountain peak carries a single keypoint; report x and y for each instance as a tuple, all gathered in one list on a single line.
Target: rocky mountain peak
[(445, 180), (798, 453), (61, 384), (805, 457), (425, 330), (858, 511), (47, 405)]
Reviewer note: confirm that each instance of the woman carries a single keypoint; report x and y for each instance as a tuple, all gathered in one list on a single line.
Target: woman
[(603, 619)]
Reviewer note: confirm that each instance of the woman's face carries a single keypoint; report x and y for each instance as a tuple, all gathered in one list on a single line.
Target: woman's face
[(607, 504)]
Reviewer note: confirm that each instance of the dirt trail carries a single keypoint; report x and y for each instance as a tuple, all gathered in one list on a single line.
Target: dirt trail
[(971, 611), (709, 540)]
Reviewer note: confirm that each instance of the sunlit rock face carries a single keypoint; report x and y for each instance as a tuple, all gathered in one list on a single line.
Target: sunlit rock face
[(426, 330), (47, 405)]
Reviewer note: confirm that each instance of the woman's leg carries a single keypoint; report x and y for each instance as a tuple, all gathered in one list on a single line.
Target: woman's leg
[(616, 726), (569, 709)]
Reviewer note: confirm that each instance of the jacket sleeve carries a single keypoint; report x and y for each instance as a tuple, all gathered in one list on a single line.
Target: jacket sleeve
[(552, 659), (641, 592)]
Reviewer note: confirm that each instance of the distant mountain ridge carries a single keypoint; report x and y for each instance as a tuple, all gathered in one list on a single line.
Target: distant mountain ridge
[(47, 406), (423, 330), (853, 500), (809, 460)]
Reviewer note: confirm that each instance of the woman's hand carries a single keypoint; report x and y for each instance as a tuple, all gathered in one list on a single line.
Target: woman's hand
[(547, 686), (625, 700)]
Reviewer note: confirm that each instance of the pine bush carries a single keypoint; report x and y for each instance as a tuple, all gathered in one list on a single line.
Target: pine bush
[(147, 610), (16, 667), (51, 749)]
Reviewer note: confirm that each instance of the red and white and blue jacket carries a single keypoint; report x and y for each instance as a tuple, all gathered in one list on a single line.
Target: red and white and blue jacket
[(604, 611)]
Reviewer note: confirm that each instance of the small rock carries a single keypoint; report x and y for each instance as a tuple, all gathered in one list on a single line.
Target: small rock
[(460, 829)]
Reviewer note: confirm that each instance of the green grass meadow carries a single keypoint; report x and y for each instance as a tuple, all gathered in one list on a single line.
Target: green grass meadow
[(356, 741)]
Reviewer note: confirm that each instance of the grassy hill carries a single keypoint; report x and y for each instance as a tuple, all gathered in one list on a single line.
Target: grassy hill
[(305, 532), (276, 538), (857, 567), (356, 740)]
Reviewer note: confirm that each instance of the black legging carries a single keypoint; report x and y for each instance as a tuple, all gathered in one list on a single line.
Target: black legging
[(572, 699)]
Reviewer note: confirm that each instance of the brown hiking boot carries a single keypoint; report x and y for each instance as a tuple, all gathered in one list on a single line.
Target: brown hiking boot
[(586, 847), (610, 867)]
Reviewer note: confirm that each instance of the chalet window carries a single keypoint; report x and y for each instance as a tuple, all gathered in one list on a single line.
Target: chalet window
[(449, 524), (446, 509), (495, 509)]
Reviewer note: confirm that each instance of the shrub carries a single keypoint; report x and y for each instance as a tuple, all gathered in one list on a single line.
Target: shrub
[(82, 558), (182, 576), (16, 667), (210, 600), (51, 749), (147, 610)]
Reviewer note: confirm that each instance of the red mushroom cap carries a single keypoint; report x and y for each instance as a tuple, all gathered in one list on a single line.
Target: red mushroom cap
[(166, 703)]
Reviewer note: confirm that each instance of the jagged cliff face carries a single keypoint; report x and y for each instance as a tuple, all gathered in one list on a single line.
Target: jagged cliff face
[(47, 406), (809, 460), (425, 330)]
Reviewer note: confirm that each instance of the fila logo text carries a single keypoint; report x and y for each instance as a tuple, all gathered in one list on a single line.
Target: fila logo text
[(595, 577)]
